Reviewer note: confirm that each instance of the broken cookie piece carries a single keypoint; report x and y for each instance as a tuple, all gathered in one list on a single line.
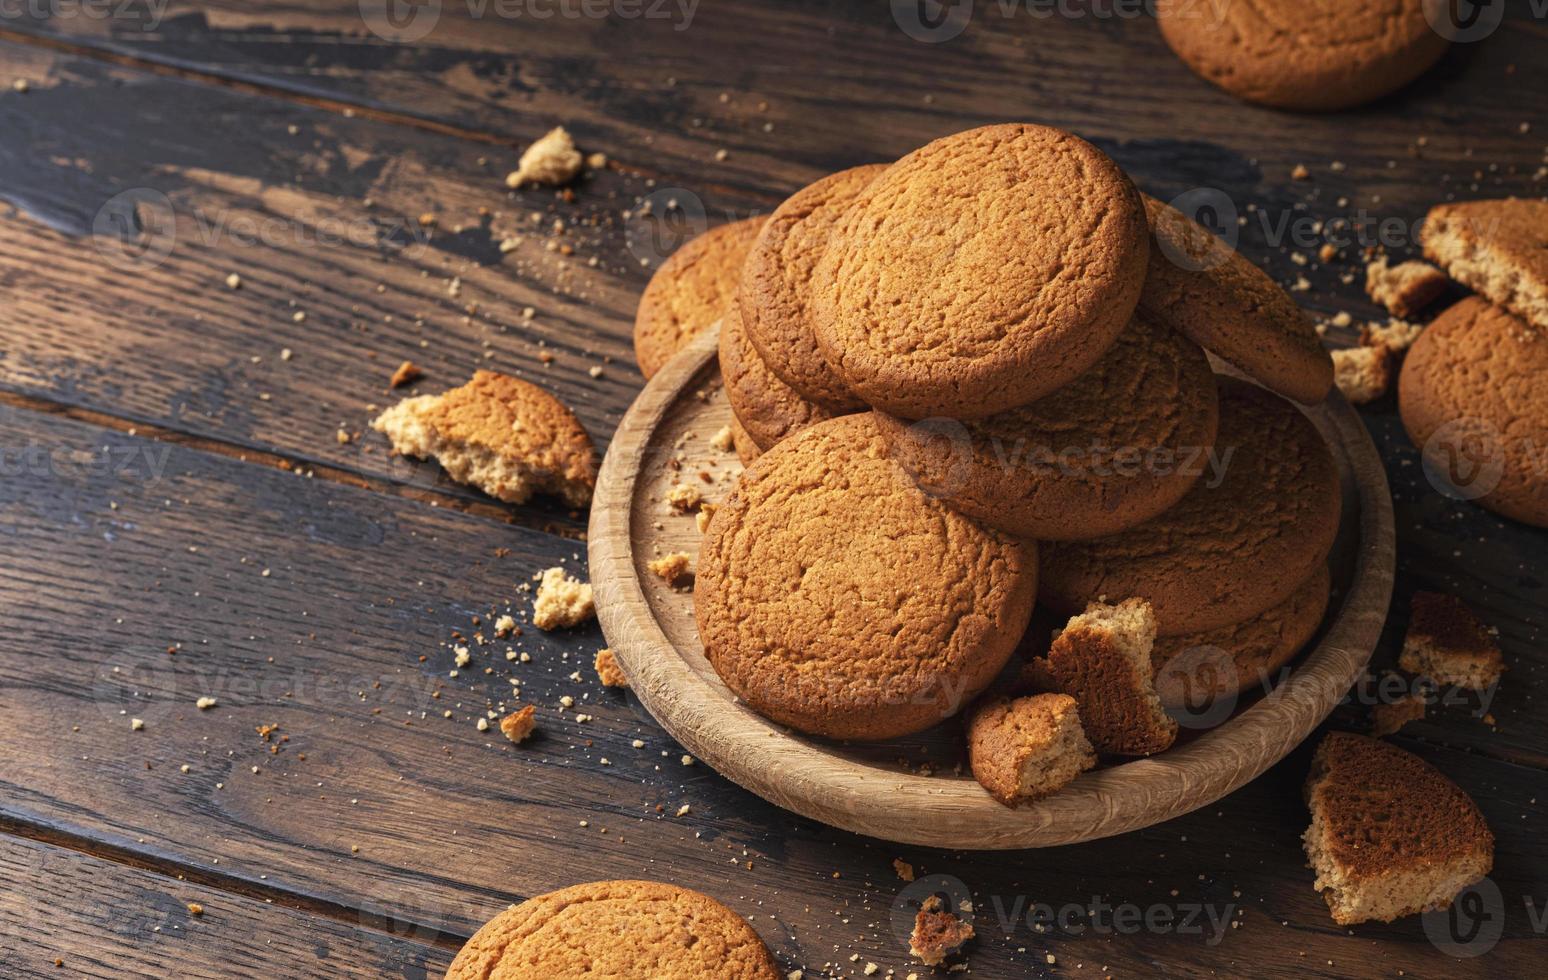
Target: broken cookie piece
[(1395, 335), (608, 671), (562, 601), (1025, 749), (937, 933), (1447, 643), (1497, 248), (519, 724), (1102, 660), (552, 160), (1363, 374), (1390, 835), (505, 436), (1406, 288), (1390, 717)]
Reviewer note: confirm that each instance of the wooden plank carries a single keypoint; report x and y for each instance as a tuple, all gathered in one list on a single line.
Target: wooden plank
[(308, 605), (68, 914)]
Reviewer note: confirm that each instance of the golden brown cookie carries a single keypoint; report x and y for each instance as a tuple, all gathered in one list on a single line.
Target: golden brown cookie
[(1193, 670), (775, 293), (767, 408), (1390, 835), (690, 291), (1497, 248), (1473, 399), (629, 930), (1316, 55), (1024, 749), (507, 437), (1201, 287), (1250, 532), (1099, 455), (980, 272), (836, 597)]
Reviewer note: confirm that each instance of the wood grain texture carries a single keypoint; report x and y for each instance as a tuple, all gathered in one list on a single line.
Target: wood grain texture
[(665, 439), (67, 914)]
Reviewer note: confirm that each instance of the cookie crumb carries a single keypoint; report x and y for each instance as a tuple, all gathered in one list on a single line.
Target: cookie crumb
[(1388, 719), (194, 908), (552, 160), (1406, 288), (684, 498), (1395, 335), (723, 441), (904, 870), (562, 601), (608, 671), (519, 724), (675, 569), (407, 373), (937, 933)]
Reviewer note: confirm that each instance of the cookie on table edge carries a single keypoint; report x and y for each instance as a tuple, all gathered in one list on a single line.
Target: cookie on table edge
[(1390, 835), (640, 930)]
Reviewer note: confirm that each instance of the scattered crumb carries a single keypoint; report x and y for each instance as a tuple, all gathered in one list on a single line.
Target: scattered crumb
[(1363, 374), (675, 569), (233, 281), (1299, 172), (519, 724), (205, 703), (723, 441), (407, 373), (1395, 335), (551, 160), (937, 933), (903, 868), (684, 498), (194, 908), (562, 601), (608, 670), (136, 724), (1387, 719)]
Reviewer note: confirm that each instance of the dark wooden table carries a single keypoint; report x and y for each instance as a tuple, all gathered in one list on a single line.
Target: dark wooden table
[(192, 506)]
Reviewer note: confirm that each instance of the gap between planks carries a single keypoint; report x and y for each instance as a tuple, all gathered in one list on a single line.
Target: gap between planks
[(298, 466), (376, 922)]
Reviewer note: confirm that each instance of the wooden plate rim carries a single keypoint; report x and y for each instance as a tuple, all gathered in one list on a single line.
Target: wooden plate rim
[(820, 782)]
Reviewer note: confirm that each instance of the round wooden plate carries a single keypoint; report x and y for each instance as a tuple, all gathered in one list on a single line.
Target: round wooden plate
[(880, 790)]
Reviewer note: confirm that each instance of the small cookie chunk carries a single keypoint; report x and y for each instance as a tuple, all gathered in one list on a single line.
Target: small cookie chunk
[(1389, 718), (1496, 248), (1192, 671), (684, 498), (1097, 456), (1395, 335), (552, 160), (406, 374), (1201, 287), (1243, 540), (1025, 749), (980, 272), (509, 438), (1312, 55), (1449, 644), (690, 291), (1363, 374), (630, 930), (608, 671), (1102, 660), (938, 932), (775, 294), (562, 601), (1390, 835), (675, 569), (768, 409), (519, 724), (1473, 400), (836, 597), (1406, 288)]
